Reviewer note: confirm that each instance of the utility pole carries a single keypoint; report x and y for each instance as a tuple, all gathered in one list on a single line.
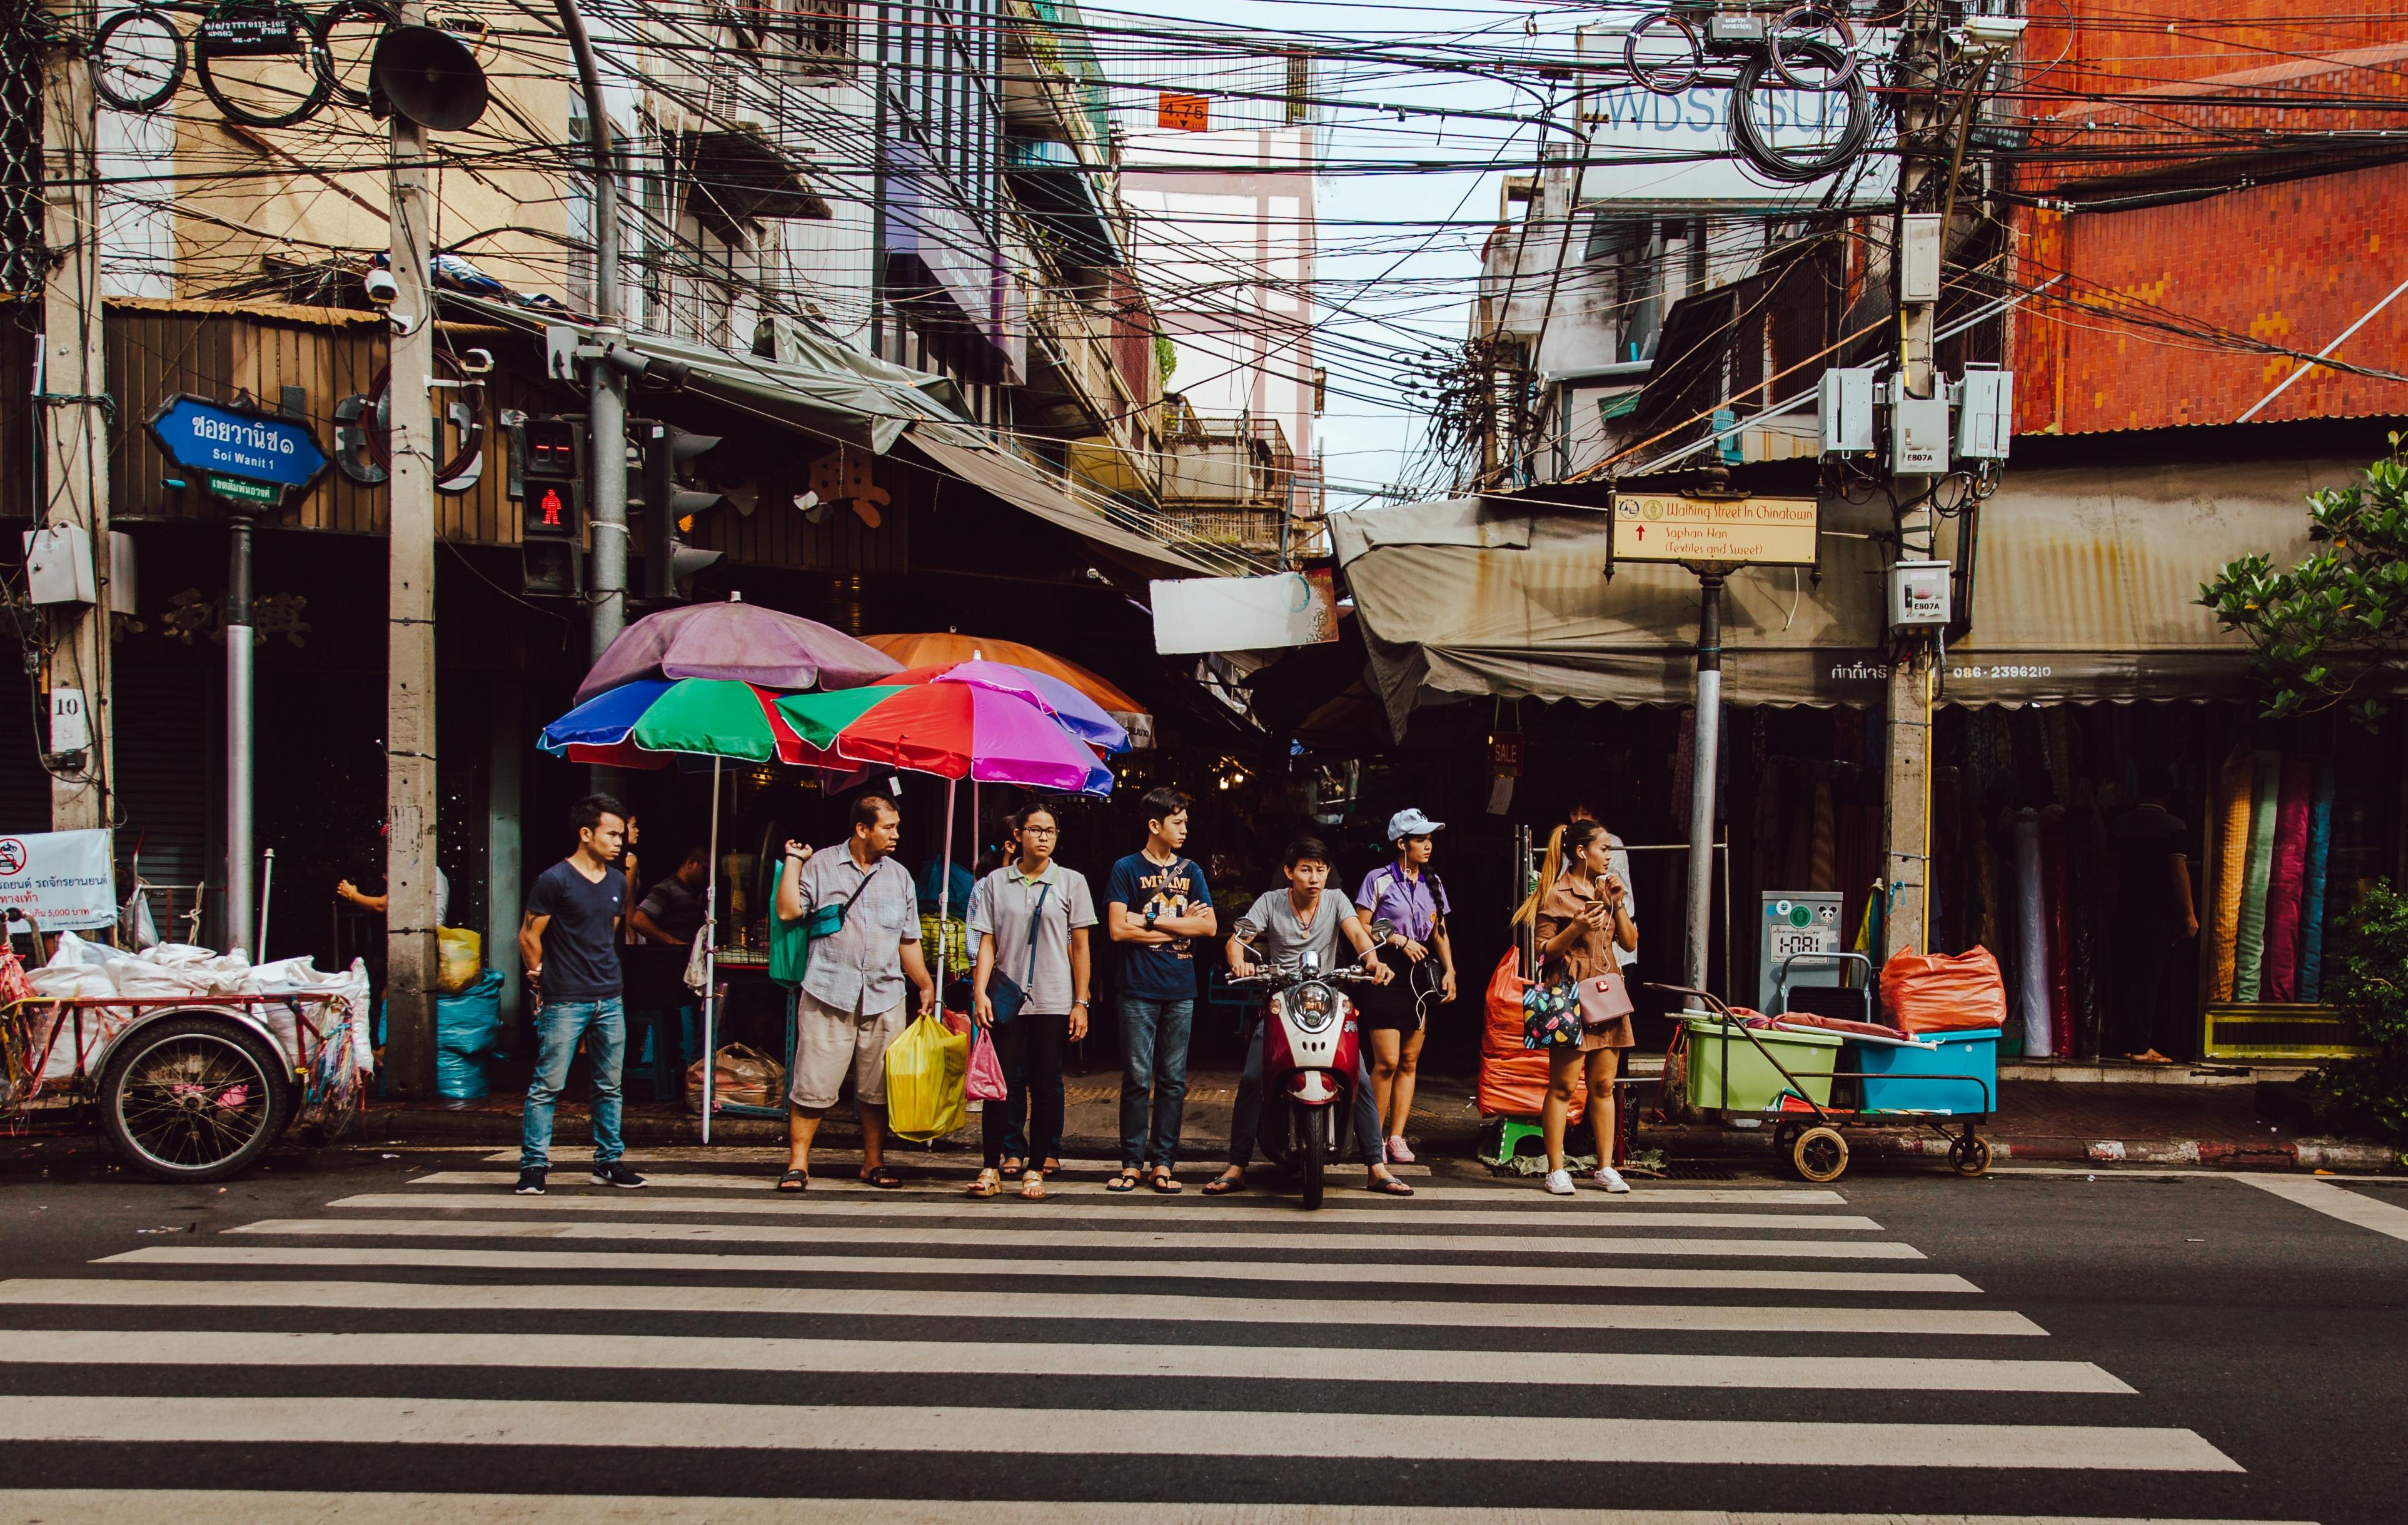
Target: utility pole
[(410, 626), (606, 406), (1906, 857), (74, 404), (1705, 760)]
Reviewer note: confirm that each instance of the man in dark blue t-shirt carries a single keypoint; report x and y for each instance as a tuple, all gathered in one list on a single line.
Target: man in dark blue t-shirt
[(569, 946), (1156, 905)]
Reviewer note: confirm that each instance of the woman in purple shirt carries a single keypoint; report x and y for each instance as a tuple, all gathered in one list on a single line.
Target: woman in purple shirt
[(1408, 896)]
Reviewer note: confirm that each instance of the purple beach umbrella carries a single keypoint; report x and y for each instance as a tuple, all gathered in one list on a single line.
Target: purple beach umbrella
[(739, 642)]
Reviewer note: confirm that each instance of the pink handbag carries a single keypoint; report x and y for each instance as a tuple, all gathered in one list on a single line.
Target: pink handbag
[(985, 1081), (1604, 999)]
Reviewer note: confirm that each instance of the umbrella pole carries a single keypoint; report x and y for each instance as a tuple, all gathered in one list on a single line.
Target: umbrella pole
[(710, 961), (945, 898)]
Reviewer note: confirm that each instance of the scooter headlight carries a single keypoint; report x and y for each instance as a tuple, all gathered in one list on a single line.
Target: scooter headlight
[(1312, 1006)]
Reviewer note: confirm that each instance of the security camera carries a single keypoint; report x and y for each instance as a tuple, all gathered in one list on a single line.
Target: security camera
[(476, 361), (382, 289)]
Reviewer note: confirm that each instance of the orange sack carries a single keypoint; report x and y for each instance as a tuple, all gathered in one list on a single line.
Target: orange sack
[(1513, 1079), (1942, 992)]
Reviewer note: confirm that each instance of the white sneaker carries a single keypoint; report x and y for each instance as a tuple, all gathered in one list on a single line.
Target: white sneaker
[(1560, 1183), (1610, 1178)]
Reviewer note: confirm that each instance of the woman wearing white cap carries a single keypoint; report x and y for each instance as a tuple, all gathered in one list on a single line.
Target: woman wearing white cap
[(1408, 896)]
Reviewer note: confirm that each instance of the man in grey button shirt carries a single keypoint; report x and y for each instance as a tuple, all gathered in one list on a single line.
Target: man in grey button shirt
[(851, 1003)]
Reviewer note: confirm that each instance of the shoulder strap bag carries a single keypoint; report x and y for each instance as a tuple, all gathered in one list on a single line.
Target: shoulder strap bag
[(1006, 994), (789, 941)]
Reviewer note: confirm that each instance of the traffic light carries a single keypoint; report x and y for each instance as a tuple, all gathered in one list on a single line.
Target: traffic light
[(671, 497), (551, 530)]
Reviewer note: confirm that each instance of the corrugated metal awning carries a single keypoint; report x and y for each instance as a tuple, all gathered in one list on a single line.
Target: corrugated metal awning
[(2084, 589)]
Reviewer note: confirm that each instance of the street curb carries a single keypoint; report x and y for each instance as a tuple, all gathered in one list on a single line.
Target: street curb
[(468, 1128)]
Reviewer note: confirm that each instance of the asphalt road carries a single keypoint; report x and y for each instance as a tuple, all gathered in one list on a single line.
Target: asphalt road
[(355, 1333)]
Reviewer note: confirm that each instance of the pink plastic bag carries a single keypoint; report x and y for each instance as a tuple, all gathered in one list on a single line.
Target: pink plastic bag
[(985, 1082)]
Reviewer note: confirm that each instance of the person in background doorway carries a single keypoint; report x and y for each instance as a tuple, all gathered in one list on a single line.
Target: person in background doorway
[(1157, 905), (2153, 914), (568, 945), (1582, 915), (1406, 895), (670, 916), (850, 1006), (346, 890), (1032, 917), (1278, 929)]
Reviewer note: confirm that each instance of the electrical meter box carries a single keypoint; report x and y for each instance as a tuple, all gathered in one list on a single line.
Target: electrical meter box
[(1919, 429), (1986, 413), (1845, 403), (1919, 260), (1795, 922), (1918, 595), (58, 566)]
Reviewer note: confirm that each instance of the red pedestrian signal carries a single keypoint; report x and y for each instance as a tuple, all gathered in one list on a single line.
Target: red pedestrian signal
[(548, 506)]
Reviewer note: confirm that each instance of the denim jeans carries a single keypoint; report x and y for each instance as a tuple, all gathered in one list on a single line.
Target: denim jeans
[(558, 1027), (1153, 1077), (1246, 1119)]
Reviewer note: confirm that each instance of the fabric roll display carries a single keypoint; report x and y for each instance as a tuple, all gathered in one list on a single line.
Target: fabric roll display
[(2312, 893), (2231, 860), (2286, 878), (2032, 937), (2249, 943), (2057, 905)]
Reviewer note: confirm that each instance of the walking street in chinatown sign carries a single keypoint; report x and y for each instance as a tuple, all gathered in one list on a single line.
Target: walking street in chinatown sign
[(245, 455), (1733, 531)]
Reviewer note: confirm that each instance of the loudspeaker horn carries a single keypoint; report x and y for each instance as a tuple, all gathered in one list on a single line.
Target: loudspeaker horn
[(429, 77)]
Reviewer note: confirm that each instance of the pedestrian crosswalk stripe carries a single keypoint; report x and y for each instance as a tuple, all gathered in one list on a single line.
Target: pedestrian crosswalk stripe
[(1025, 1431), (979, 1304), (229, 1347), (649, 1158), (1388, 1273), (666, 1184), (206, 1506), (1006, 1216), (1366, 1251)]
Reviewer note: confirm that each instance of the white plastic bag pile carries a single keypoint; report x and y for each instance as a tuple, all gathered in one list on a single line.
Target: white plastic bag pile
[(180, 971)]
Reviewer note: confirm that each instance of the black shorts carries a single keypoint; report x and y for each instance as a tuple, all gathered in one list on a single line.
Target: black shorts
[(1398, 1005)]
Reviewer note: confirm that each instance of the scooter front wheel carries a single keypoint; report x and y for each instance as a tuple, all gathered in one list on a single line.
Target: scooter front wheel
[(1311, 1154)]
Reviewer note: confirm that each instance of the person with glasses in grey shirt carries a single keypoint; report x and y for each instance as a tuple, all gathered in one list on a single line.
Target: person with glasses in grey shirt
[(1032, 917)]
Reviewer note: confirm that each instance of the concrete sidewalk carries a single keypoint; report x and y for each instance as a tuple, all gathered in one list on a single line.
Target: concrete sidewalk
[(2039, 1121)]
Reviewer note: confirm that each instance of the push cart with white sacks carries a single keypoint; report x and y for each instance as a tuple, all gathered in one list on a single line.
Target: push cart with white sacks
[(1738, 1071), (187, 1085)]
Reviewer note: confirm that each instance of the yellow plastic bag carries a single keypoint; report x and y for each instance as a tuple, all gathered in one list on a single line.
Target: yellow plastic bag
[(923, 1080), (461, 958)]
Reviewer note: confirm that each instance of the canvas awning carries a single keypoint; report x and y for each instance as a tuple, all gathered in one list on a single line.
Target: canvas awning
[(2084, 582), (1022, 485)]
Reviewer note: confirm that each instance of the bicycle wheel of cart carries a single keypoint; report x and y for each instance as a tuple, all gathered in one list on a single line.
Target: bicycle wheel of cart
[(1820, 1155), (194, 1099), (1969, 1155)]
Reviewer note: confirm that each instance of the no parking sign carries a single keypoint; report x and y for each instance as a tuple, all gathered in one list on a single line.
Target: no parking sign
[(65, 880)]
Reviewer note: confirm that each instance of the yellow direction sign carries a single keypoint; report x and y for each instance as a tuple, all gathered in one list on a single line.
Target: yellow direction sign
[(1752, 531)]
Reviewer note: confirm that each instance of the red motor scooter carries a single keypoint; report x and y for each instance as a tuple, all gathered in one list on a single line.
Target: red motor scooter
[(1309, 1061)]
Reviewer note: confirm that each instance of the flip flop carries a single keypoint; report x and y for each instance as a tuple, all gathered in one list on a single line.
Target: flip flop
[(794, 1183), (1390, 1188), (1124, 1181), (1221, 1185), (881, 1176), (1163, 1182)]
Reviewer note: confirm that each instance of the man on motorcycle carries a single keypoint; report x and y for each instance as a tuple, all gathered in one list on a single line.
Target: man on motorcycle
[(1278, 929)]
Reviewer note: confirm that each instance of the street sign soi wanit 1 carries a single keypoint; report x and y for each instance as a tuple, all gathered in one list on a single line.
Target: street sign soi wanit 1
[(1729, 531), (248, 457)]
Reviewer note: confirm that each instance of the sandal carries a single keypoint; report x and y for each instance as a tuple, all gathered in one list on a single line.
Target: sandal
[(987, 1185), (1052, 1167), (884, 1177), (1010, 1167), (794, 1183), (1221, 1185), (1032, 1186), (1164, 1182), (1124, 1181), (1388, 1186)]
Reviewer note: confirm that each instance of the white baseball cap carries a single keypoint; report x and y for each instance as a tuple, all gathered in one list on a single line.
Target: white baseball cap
[(1411, 823)]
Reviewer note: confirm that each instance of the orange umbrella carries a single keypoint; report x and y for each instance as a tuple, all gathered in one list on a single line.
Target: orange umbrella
[(939, 647)]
